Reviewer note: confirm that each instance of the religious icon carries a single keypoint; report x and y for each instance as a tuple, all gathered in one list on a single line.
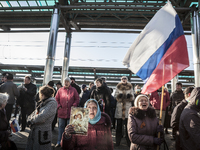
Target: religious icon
[(79, 120)]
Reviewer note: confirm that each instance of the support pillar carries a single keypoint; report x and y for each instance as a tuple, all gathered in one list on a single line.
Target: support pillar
[(48, 70), (196, 45), (65, 67), (173, 83)]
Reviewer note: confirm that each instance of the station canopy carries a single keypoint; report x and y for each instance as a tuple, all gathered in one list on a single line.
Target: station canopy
[(127, 16)]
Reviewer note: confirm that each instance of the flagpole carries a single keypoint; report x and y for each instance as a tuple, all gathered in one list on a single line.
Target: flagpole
[(161, 107)]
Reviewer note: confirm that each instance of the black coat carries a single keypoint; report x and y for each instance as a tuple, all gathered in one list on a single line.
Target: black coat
[(4, 127), (102, 93), (175, 98), (175, 117), (78, 89), (27, 98), (84, 97)]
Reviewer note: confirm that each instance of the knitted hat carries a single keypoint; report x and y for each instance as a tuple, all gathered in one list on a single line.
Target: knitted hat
[(83, 86), (137, 99)]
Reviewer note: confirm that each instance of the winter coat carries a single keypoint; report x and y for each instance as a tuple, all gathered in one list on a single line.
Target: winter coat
[(102, 93), (124, 96), (11, 89), (98, 138), (175, 98), (177, 114), (84, 97), (4, 127), (40, 136), (27, 98), (155, 100), (142, 128), (78, 89), (66, 98), (189, 126)]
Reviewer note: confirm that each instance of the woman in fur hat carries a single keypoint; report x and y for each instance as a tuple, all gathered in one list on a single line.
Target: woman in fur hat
[(143, 125), (124, 96)]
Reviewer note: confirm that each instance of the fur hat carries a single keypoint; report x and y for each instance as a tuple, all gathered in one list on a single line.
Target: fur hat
[(138, 97)]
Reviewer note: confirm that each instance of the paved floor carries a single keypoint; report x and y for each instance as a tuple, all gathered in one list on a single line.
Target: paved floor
[(20, 138)]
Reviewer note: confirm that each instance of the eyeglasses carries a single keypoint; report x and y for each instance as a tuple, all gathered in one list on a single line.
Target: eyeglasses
[(123, 78), (142, 100)]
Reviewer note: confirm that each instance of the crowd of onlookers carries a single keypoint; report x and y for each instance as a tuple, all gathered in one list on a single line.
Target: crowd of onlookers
[(126, 110)]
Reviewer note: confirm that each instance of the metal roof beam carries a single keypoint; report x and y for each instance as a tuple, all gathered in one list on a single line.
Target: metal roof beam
[(92, 7)]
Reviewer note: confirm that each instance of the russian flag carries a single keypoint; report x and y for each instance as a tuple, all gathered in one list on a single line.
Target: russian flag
[(15, 126), (160, 51)]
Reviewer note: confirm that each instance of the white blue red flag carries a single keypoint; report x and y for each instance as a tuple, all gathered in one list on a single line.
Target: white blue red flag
[(160, 51), (15, 126)]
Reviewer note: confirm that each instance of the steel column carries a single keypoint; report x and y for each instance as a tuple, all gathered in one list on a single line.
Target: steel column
[(196, 46), (65, 67), (48, 70), (173, 83)]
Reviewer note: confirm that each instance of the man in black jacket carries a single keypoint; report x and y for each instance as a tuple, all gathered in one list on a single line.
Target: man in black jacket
[(73, 84), (26, 100), (189, 127), (176, 97), (177, 114), (10, 88)]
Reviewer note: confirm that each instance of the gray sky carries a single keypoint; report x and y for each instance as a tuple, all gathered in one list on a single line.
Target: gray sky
[(87, 49)]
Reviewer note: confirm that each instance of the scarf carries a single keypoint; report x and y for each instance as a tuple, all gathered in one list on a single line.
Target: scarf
[(98, 115)]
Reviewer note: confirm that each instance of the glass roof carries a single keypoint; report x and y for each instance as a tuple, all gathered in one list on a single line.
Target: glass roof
[(28, 3)]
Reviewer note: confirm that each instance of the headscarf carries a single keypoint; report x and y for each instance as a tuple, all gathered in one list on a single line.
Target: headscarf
[(98, 115)]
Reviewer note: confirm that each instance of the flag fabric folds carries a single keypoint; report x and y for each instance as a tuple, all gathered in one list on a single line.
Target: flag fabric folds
[(15, 126), (160, 51)]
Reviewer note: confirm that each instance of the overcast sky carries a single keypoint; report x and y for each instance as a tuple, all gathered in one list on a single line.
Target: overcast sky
[(87, 49)]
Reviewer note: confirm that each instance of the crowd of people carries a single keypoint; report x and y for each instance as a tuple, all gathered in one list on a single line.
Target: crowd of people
[(126, 110)]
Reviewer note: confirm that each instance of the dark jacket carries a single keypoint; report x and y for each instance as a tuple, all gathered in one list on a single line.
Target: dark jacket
[(175, 98), (177, 114), (102, 93), (27, 98), (78, 89), (98, 138), (189, 127), (11, 89), (4, 127), (142, 128), (84, 97)]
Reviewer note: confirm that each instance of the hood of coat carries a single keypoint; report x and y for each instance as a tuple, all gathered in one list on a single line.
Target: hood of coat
[(126, 86), (140, 114), (194, 99)]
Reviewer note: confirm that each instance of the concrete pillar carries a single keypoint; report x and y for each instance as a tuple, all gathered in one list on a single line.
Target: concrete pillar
[(65, 67), (196, 46), (48, 70)]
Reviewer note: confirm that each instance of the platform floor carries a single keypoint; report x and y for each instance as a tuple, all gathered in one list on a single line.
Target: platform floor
[(20, 138)]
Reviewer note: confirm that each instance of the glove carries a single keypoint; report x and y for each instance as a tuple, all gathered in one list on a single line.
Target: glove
[(160, 129), (120, 95), (128, 95), (158, 141)]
